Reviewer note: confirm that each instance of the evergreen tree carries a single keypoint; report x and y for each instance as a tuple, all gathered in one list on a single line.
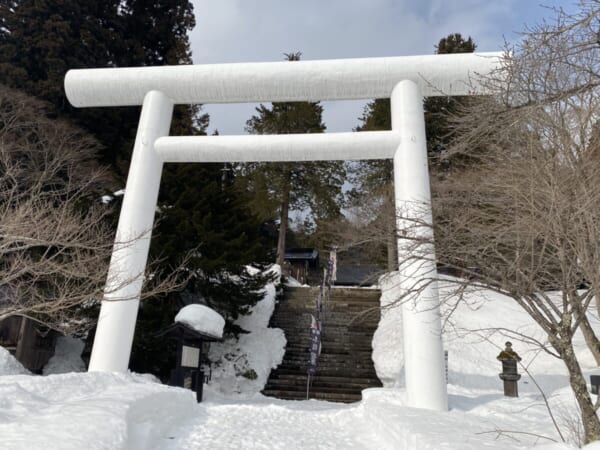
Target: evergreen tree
[(377, 113), (203, 215), (284, 186), (39, 41), (374, 178), (438, 110), (157, 31)]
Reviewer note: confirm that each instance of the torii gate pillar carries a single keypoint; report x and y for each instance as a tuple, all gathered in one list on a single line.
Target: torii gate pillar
[(118, 313), (423, 351)]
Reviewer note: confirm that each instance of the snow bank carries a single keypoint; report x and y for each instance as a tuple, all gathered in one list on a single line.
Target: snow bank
[(9, 365), (67, 357), (401, 427), (388, 356), (117, 411), (202, 319), (475, 333), (89, 410), (242, 366)]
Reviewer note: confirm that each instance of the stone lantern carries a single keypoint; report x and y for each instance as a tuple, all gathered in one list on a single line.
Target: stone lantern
[(509, 375)]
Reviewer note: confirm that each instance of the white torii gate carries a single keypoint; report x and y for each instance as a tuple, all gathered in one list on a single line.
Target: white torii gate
[(405, 79)]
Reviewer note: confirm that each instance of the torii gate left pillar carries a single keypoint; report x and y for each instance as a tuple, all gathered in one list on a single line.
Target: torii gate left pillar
[(118, 313)]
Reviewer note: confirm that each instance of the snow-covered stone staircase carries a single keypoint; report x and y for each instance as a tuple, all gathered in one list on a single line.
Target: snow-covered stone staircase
[(350, 318)]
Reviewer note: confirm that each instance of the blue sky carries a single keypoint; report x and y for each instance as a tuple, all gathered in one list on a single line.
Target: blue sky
[(262, 30)]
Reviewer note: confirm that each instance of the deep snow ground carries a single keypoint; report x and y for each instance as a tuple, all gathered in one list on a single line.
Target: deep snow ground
[(112, 411)]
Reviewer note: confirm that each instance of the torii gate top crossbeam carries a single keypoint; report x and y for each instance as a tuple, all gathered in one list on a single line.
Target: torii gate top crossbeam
[(336, 79)]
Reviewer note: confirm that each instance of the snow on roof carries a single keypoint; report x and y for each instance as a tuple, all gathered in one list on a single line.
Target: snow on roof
[(202, 319), (301, 253)]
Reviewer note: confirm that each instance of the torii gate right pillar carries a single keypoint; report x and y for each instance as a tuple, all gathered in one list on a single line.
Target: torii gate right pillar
[(421, 320)]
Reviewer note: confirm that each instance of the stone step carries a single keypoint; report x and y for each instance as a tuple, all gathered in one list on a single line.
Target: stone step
[(356, 390), (332, 397), (329, 348), (330, 335), (337, 307), (325, 353), (345, 306), (301, 378), (335, 291), (347, 315), (300, 360), (298, 321), (301, 387), (297, 324), (331, 331), (303, 342), (340, 351), (310, 299), (334, 318), (344, 371), (326, 359), (334, 353), (330, 357), (348, 368), (340, 370), (350, 317), (324, 363), (327, 371)]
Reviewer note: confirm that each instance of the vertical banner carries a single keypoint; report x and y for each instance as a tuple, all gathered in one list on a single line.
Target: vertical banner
[(315, 345), (333, 265), (319, 305)]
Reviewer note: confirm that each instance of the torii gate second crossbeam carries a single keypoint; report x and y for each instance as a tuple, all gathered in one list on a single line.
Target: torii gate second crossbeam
[(403, 79)]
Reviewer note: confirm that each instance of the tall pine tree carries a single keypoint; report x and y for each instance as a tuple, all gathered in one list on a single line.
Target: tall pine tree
[(374, 178), (281, 187), (439, 110)]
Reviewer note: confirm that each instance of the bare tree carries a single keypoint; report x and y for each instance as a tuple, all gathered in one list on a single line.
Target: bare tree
[(525, 219), (55, 239)]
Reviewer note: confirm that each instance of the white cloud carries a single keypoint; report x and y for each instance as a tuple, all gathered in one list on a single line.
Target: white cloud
[(262, 30)]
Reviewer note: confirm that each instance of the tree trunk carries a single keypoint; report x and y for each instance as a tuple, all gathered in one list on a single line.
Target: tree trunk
[(596, 298), (590, 338), (283, 219), (392, 238), (591, 424), (392, 250)]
